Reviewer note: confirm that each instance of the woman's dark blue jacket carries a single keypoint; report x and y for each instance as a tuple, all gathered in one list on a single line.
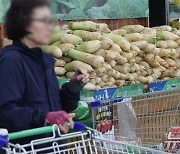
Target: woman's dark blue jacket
[(29, 88)]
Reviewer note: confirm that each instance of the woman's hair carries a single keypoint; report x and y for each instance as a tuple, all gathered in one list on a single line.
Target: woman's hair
[(18, 17)]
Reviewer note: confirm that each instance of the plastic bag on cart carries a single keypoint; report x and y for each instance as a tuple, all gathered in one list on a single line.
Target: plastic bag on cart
[(127, 121)]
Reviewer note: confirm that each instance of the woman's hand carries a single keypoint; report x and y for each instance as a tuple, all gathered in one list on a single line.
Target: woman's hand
[(62, 119), (78, 81), (83, 75), (68, 124)]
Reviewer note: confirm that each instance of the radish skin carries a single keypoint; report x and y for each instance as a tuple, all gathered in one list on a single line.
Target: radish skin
[(69, 74), (95, 61), (75, 65), (55, 51), (60, 63), (65, 47), (90, 46), (70, 38), (115, 47), (60, 71), (88, 36), (122, 42), (165, 35)]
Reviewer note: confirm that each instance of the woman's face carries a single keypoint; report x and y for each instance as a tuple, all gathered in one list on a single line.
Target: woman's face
[(40, 28)]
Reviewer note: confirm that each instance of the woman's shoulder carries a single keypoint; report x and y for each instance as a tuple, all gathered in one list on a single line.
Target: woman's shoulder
[(10, 53), (48, 57), (11, 63)]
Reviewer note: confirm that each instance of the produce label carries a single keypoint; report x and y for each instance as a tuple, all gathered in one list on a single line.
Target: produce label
[(125, 91), (110, 93), (172, 140), (104, 94), (164, 85), (103, 120), (128, 91)]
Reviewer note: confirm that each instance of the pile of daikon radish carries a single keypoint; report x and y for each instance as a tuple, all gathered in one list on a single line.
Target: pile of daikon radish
[(129, 55)]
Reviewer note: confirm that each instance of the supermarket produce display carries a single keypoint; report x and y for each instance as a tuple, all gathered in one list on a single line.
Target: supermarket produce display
[(131, 102), (129, 55)]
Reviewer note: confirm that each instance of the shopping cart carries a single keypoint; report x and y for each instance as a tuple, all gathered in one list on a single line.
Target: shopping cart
[(90, 142), (143, 119)]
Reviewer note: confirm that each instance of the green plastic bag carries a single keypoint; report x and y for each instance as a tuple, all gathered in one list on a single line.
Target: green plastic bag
[(82, 111)]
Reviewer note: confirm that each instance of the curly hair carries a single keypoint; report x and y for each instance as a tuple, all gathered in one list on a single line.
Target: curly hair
[(18, 17)]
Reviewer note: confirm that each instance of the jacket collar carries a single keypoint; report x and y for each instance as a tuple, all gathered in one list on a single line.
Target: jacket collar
[(33, 52)]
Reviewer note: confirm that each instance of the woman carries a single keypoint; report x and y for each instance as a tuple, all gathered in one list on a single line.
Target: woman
[(29, 92)]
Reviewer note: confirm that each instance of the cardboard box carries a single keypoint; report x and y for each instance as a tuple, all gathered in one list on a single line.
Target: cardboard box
[(110, 93)]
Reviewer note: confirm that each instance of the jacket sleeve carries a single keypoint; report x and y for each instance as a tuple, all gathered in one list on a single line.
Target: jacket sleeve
[(13, 116), (69, 100)]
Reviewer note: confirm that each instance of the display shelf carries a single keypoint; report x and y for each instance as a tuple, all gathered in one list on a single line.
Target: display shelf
[(113, 24), (117, 23)]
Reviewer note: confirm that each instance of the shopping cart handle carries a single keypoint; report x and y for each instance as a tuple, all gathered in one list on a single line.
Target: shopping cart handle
[(38, 131), (3, 142), (32, 132), (79, 126)]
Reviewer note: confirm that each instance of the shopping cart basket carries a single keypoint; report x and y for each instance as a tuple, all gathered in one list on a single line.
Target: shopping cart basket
[(144, 119), (90, 142)]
